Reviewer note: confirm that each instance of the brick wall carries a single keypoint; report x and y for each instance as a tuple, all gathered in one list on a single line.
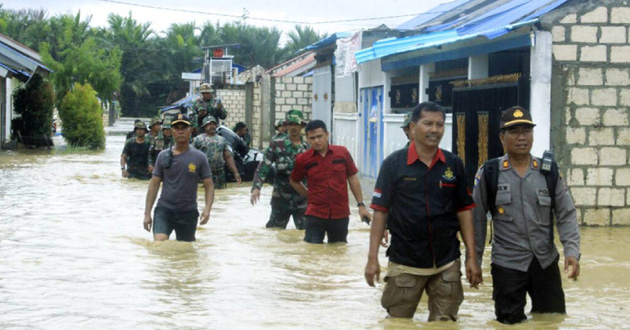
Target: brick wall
[(234, 102), (591, 108), (293, 93)]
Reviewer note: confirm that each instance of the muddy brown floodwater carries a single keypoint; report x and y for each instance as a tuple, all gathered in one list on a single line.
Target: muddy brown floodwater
[(73, 254)]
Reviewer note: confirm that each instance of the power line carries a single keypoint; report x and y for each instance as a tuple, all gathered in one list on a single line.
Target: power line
[(268, 19)]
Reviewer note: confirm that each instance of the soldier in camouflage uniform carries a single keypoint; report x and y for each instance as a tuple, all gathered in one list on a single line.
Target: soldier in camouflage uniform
[(285, 201), (134, 160), (161, 142), (215, 147), (282, 130), (206, 105), (155, 127)]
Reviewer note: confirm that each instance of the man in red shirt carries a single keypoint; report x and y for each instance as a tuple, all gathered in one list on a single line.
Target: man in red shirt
[(328, 170)]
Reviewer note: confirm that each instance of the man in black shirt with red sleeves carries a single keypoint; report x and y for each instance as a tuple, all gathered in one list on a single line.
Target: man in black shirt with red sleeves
[(422, 194)]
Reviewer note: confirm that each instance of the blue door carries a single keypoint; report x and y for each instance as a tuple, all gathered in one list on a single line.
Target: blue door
[(372, 113)]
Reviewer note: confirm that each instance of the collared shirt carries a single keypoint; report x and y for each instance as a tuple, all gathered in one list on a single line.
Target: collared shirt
[(523, 221), (422, 203), (327, 181)]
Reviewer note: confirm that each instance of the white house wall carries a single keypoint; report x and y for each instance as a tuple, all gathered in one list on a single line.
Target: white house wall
[(540, 99)]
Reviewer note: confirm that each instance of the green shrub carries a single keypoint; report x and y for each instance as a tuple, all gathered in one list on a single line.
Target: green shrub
[(80, 113), (34, 102)]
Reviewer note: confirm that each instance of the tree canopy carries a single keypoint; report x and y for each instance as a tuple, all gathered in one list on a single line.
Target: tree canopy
[(129, 63)]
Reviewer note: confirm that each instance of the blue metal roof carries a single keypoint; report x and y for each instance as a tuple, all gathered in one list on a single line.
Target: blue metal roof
[(490, 24), (331, 39)]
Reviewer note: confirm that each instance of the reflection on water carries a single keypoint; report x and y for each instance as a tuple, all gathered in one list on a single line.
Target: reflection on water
[(73, 254)]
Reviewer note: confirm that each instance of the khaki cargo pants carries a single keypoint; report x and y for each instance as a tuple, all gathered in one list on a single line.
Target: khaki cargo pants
[(403, 292)]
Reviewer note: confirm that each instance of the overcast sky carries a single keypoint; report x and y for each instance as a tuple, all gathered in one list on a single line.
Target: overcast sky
[(307, 12)]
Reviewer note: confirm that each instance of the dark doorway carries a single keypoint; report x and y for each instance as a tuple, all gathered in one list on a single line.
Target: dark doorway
[(476, 114)]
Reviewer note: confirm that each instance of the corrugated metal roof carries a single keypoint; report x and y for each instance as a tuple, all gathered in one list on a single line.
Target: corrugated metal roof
[(490, 24), (331, 39)]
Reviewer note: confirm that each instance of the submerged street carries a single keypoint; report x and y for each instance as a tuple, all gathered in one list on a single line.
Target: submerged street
[(73, 254)]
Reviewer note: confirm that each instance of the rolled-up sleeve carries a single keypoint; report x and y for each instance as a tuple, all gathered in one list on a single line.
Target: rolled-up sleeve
[(480, 218), (383, 189)]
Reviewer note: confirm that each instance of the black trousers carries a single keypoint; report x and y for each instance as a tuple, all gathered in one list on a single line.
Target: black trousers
[(510, 287)]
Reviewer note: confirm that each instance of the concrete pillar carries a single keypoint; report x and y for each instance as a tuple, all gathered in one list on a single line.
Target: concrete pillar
[(425, 69), (540, 99), (478, 67)]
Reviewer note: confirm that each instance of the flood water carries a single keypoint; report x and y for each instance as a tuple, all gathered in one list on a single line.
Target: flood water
[(73, 254)]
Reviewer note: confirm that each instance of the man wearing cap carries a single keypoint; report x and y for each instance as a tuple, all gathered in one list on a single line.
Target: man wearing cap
[(285, 201), (131, 133), (329, 169), (161, 142), (422, 194), (206, 105), (524, 257), (134, 160), (216, 149), (154, 128), (282, 130), (180, 168)]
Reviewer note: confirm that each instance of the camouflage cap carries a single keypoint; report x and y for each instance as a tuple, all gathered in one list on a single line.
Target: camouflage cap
[(155, 121), (516, 116), (140, 125), (209, 119), (181, 119), (407, 119), (166, 126), (279, 123), (205, 88), (295, 117)]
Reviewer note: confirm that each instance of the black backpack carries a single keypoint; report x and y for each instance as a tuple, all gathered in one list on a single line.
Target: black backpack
[(491, 175)]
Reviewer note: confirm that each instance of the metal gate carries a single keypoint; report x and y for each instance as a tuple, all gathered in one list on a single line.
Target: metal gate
[(476, 115), (372, 113)]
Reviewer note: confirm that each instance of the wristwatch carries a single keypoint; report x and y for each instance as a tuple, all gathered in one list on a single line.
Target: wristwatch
[(360, 204), (122, 168)]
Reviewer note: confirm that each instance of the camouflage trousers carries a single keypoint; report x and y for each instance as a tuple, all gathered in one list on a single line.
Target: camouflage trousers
[(218, 177), (283, 208)]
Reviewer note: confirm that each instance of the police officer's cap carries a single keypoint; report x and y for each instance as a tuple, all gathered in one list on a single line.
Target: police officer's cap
[(516, 116), (181, 119), (407, 119), (209, 119)]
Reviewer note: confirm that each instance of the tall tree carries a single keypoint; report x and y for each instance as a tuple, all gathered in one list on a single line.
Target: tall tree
[(302, 36), (77, 58), (136, 65)]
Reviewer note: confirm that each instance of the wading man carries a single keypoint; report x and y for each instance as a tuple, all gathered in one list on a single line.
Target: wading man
[(285, 201), (161, 142), (216, 149), (328, 170), (521, 193), (422, 195), (180, 168), (134, 160)]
